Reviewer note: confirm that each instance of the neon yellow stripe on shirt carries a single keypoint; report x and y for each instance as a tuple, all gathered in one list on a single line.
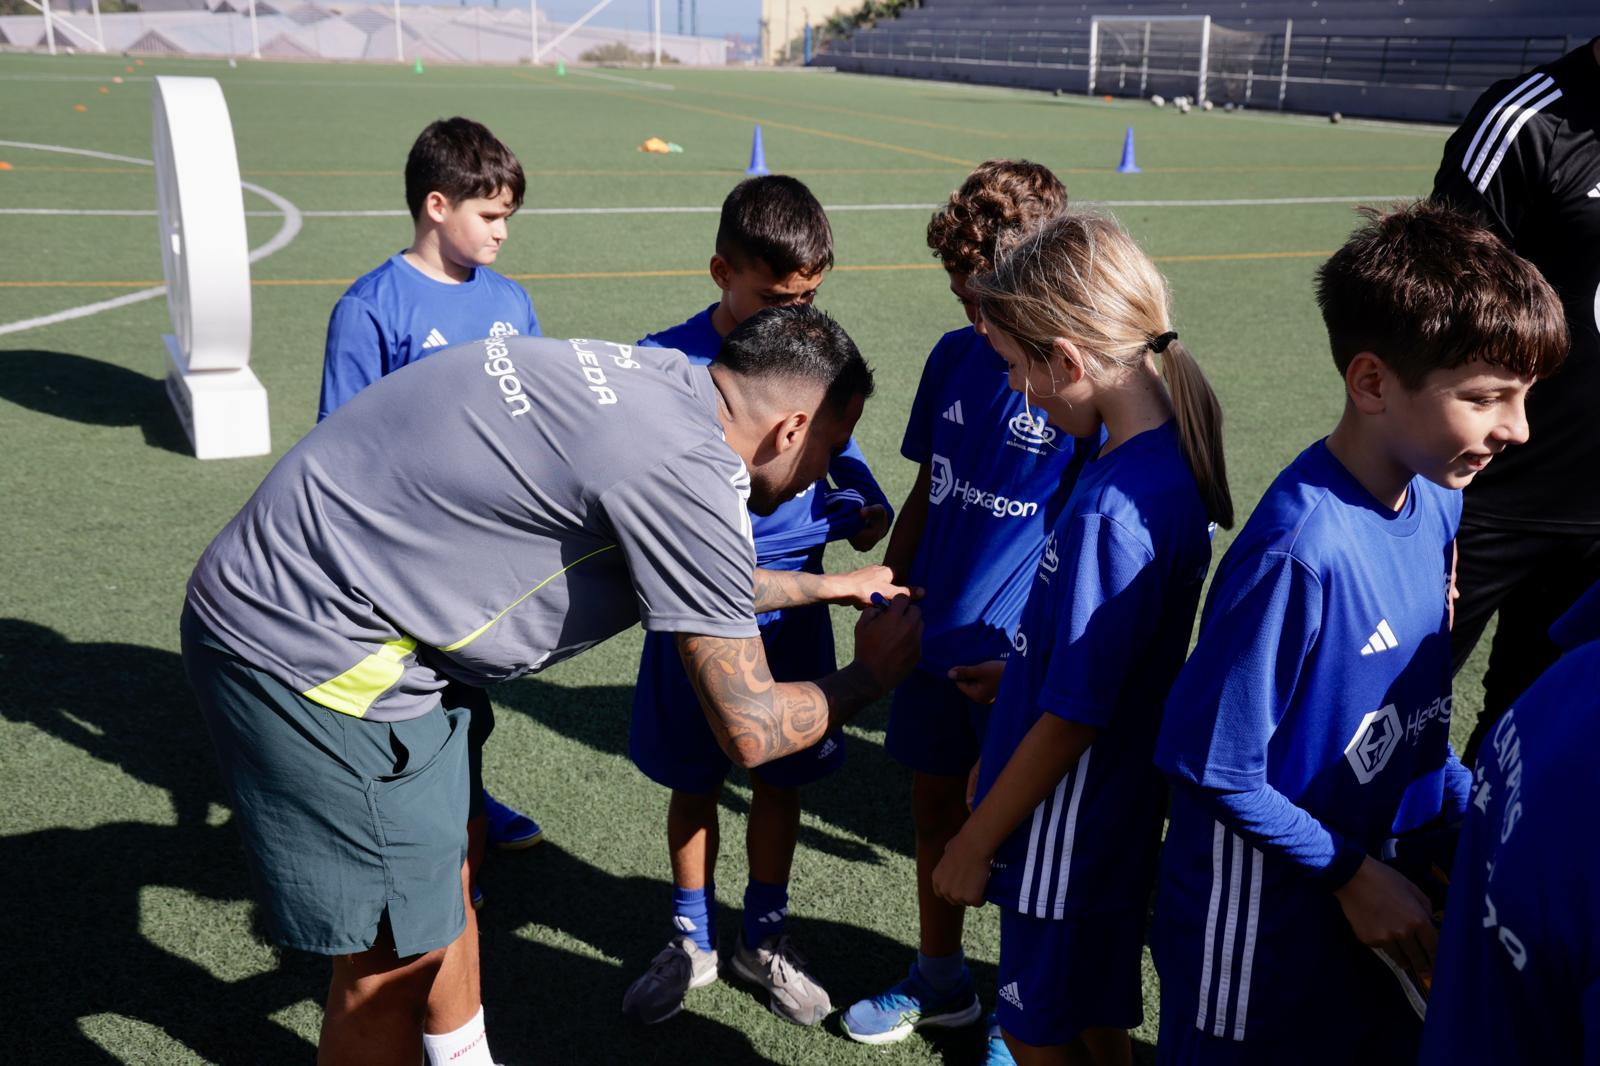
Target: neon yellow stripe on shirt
[(476, 633), (354, 691)]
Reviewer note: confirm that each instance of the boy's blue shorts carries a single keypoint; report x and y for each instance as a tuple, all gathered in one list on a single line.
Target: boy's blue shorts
[(933, 728), (1058, 977), (669, 739)]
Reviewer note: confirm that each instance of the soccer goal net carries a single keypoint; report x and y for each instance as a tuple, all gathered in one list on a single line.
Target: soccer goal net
[(1187, 55)]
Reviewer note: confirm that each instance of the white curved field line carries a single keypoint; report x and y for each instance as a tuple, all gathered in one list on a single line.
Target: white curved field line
[(292, 221)]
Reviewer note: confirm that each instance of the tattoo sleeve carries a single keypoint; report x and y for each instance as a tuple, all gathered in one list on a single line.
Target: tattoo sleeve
[(778, 590), (756, 719)]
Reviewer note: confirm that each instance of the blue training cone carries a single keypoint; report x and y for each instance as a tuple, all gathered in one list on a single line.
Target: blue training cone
[(758, 157), (1128, 166)]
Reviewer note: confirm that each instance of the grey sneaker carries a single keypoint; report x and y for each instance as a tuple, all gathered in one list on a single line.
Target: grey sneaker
[(792, 993), (678, 967)]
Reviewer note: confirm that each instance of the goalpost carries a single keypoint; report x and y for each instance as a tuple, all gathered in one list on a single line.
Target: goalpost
[(1166, 47), (1182, 54)]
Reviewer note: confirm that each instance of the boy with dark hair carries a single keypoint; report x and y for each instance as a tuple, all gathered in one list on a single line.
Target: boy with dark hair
[(773, 245), (1311, 722), (462, 185), (977, 563)]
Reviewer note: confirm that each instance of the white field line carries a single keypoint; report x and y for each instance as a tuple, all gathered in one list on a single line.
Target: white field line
[(640, 82), (703, 209), (292, 222)]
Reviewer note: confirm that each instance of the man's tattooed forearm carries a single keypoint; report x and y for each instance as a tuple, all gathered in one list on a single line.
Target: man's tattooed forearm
[(755, 719), (778, 590)]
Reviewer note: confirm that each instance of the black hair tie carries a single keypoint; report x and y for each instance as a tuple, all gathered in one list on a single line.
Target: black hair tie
[(1159, 344)]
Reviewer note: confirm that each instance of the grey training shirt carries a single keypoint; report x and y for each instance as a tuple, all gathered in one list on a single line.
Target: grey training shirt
[(483, 513)]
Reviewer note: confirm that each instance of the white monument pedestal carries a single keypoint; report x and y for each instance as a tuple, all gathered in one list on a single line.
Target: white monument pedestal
[(224, 412), (219, 401)]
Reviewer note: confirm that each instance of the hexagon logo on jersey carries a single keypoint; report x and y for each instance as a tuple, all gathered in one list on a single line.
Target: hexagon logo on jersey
[(1376, 738), (1030, 430), (1050, 561), (941, 479)]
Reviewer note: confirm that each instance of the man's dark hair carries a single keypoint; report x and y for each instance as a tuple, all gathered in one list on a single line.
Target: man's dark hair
[(1425, 287), (463, 160), (799, 343), (775, 220)]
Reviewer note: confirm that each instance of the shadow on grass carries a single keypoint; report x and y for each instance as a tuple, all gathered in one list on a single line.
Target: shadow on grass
[(869, 798), (96, 393)]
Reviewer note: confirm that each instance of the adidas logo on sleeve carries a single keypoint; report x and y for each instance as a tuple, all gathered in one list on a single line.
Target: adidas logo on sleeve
[(1382, 640), (953, 414), (435, 340)]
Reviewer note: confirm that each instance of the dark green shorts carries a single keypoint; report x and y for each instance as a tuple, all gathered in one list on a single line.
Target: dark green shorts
[(344, 820)]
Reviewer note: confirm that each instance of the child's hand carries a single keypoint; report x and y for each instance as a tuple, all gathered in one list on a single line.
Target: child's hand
[(889, 641), (961, 876), (876, 519), (980, 681), (1389, 913)]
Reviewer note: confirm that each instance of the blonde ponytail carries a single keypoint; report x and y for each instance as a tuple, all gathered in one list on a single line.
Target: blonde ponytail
[(1199, 418)]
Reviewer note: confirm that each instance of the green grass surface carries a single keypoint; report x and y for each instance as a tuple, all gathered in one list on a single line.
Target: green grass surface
[(130, 932)]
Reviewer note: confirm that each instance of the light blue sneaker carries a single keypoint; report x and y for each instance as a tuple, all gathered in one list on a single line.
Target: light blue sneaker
[(509, 828), (909, 1005), (995, 1052)]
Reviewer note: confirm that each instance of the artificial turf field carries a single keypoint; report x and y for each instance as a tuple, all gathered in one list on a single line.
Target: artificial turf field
[(129, 931)]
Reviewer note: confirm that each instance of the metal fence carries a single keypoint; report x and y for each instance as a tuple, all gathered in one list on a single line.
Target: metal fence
[(1251, 66)]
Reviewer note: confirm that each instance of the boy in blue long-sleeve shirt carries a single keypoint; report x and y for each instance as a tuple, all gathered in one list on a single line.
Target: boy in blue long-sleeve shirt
[(1311, 722)]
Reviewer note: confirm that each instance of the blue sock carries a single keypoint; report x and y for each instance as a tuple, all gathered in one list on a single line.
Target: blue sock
[(692, 914), (942, 972), (765, 909)]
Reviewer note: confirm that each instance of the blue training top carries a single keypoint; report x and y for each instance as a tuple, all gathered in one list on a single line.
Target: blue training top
[(996, 469), (791, 537), (1310, 724), (395, 315), (1517, 978), (1102, 636)]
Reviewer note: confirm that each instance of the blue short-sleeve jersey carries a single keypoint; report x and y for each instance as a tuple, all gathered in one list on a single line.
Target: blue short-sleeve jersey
[(791, 537), (1320, 682), (995, 469), (1517, 977), (1103, 634), (395, 315)]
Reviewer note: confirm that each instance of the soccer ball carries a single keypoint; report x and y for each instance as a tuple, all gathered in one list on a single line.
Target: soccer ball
[(1158, 100), (1206, 106), (1336, 117)]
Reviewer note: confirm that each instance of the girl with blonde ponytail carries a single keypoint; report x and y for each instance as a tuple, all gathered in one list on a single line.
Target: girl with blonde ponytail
[(1068, 805)]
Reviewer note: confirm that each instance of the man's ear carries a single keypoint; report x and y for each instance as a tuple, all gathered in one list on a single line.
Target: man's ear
[(435, 205), (791, 431), (722, 272), (1369, 382), (1069, 354)]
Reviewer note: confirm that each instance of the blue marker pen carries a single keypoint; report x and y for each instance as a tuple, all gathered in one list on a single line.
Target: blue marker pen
[(878, 600)]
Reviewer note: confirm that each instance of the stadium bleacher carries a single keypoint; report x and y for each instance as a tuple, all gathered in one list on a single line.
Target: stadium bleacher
[(1419, 59)]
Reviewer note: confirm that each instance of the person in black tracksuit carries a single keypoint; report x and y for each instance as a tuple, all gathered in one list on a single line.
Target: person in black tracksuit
[(1527, 162)]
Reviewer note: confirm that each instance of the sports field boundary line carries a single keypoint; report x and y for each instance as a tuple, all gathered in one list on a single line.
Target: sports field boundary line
[(683, 272), (293, 221), (706, 209)]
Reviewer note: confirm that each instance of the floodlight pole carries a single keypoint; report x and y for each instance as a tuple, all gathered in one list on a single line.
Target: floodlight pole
[(1205, 56), (399, 49), (99, 30), (255, 34), (533, 12), (657, 28), (1144, 62), (1094, 52), (1283, 78)]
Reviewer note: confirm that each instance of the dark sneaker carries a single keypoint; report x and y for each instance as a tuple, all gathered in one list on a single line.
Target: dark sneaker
[(678, 967)]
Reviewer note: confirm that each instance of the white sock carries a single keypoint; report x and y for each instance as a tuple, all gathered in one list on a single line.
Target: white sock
[(466, 1046)]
